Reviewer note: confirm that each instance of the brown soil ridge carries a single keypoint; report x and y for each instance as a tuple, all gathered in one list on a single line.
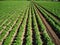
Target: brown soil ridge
[(49, 29)]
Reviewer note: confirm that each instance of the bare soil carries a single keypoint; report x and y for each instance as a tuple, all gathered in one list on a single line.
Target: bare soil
[(50, 31)]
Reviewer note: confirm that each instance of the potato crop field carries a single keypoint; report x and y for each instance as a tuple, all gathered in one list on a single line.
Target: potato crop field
[(30, 22)]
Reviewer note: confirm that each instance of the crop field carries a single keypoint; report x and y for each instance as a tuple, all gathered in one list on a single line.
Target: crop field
[(29, 23)]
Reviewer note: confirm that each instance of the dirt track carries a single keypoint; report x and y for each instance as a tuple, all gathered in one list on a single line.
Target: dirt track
[(50, 31)]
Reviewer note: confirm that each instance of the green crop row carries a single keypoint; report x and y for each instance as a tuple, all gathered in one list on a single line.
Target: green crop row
[(46, 37), (49, 15), (12, 8), (29, 29), (20, 35), (36, 30), (13, 32), (7, 28), (52, 7), (55, 26)]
